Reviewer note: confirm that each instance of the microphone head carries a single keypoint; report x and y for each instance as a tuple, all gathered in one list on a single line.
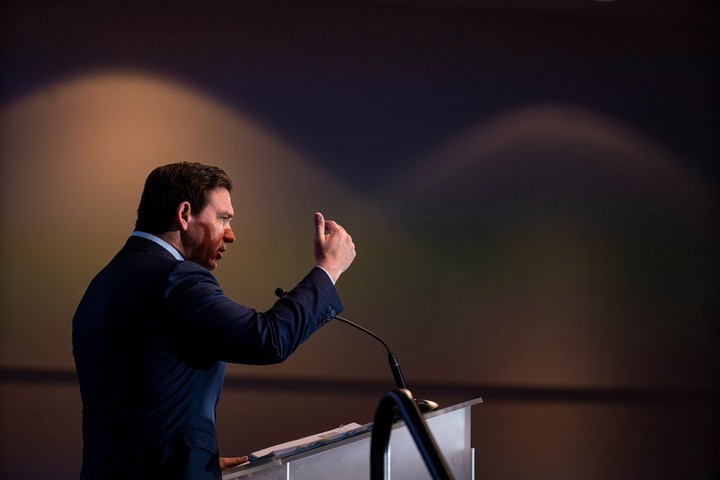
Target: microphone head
[(426, 405)]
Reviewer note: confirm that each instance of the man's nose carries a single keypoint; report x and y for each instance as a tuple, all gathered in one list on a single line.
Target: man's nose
[(229, 236)]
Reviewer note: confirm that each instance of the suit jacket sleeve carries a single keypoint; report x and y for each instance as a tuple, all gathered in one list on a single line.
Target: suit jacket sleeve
[(213, 325)]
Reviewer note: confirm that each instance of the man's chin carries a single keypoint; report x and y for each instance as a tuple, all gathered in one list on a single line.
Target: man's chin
[(209, 264)]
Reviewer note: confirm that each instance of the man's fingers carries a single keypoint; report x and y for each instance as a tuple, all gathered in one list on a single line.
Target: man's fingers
[(325, 227), (227, 462)]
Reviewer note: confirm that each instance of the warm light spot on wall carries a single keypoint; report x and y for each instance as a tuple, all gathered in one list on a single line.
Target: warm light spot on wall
[(74, 159)]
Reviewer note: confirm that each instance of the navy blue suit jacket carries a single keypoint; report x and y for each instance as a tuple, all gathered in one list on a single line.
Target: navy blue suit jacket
[(150, 339)]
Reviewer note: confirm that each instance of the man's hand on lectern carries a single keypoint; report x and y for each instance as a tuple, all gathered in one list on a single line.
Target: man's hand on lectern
[(228, 462)]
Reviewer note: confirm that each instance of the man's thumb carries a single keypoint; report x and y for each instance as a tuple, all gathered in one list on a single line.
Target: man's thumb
[(319, 225)]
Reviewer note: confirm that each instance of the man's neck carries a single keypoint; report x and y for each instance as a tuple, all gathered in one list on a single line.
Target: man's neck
[(165, 241), (172, 238)]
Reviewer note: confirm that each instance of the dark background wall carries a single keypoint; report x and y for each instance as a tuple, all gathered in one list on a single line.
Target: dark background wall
[(532, 190)]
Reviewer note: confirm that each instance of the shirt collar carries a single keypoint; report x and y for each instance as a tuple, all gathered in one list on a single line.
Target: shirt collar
[(173, 251)]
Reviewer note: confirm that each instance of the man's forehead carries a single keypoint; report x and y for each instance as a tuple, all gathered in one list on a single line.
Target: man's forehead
[(220, 199)]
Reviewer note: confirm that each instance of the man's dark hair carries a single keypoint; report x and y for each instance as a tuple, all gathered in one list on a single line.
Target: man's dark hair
[(168, 186)]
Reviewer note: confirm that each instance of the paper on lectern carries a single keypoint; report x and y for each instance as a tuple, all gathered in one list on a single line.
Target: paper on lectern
[(312, 441)]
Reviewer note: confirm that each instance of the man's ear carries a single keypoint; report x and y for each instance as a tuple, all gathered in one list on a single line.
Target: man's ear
[(182, 215)]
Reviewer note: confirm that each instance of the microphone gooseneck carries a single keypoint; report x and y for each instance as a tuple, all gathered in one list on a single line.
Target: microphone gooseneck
[(423, 405), (392, 361)]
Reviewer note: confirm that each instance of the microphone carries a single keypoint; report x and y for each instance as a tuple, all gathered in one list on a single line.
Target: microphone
[(423, 405)]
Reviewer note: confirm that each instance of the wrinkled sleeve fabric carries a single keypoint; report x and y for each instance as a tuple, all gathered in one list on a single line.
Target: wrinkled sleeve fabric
[(214, 326)]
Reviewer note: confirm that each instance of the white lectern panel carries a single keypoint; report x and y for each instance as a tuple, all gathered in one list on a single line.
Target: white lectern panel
[(350, 458)]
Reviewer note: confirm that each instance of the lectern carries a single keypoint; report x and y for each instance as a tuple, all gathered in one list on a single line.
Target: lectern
[(349, 458)]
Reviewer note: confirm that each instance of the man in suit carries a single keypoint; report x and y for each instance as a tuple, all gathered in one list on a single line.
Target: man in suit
[(154, 329)]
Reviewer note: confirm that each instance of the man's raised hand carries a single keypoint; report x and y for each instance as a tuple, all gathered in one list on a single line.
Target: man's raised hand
[(334, 248)]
